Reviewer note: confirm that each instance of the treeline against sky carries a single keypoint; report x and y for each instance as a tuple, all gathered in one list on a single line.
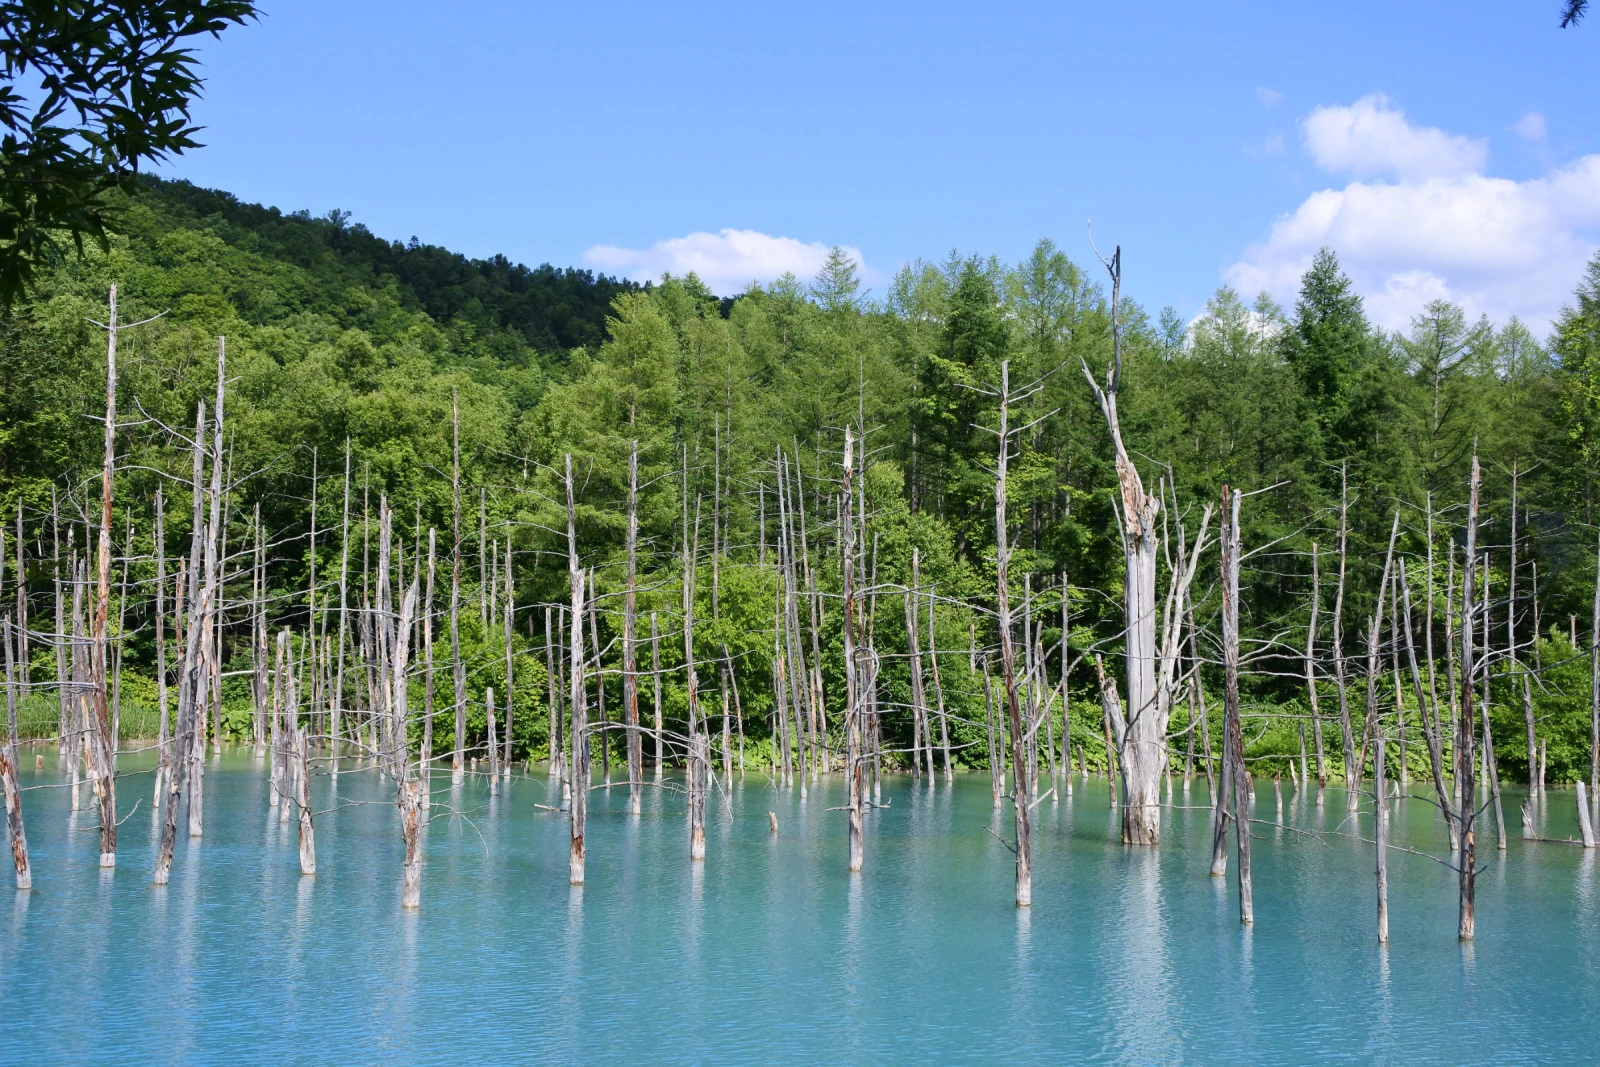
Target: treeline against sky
[(337, 338)]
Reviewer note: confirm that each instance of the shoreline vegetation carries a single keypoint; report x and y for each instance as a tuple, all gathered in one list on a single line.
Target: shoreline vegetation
[(370, 507)]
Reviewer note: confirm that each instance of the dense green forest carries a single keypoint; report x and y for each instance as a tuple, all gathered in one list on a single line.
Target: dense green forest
[(337, 339)]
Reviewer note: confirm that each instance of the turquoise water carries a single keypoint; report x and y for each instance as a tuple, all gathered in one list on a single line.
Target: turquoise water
[(770, 952)]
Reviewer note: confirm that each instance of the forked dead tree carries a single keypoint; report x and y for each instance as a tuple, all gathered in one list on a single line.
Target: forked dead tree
[(1140, 734)]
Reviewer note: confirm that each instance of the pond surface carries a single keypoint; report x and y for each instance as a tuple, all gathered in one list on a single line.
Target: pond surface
[(770, 952)]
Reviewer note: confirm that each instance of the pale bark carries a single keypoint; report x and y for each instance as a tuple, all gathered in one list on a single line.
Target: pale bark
[(507, 626), (630, 664), (1430, 719), (103, 743), (1352, 767), (8, 768), (1466, 925), (579, 744), (1022, 787), (458, 670), (1141, 735), (1381, 835), (1242, 786), (854, 763), (308, 840)]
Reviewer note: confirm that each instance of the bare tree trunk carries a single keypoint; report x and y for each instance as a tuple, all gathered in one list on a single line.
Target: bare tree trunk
[(579, 774), (854, 764), (209, 688), (493, 745), (1242, 786), (599, 682), (164, 740), (1513, 666), (308, 840), (103, 744), (1352, 767), (1491, 764), (551, 689), (335, 723), (1594, 686), (1381, 834), (1430, 723), (410, 803), (1022, 788), (938, 697), (699, 767), (8, 765), (1465, 758), (24, 671), (507, 626), (192, 668), (65, 734), (655, 682), (919, 701), (1141, 735), (997, 774), (258, 655), (630, 664), (458, 670), (425, 756), (1311, 668)]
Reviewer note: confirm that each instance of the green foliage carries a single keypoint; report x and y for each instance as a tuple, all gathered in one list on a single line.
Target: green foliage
[(338, 339), (89, 92)]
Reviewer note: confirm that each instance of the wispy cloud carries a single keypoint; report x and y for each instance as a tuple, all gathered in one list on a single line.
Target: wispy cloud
[(727, 261), (1268, 97), (1530, 127)]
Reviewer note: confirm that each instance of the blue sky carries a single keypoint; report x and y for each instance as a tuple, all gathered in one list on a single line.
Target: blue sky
[(1445, 149)]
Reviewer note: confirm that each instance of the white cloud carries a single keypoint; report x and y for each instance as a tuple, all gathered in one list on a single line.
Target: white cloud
[(1530, 127), (1496, 246), (1371, 139), (727, 260), (1268, 97)]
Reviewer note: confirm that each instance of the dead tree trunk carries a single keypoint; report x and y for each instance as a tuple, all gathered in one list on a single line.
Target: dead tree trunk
[(164, 737), (938, 698), (551, 690), (103, 744), (1242, 786), (192, 669), (308, 840), (458, 670), (1022, 787), (1491, 764), (854, 764), (506, 627), (1466, 926), (335, 724), (1311, 668), (425, 756), (1512, 663), (1430, 718), (1381, 834), (699, 773), (1352, 767), (579, 736), (655, 684), (8, 766), (1594, 685), (630, 664), (1141, 735)]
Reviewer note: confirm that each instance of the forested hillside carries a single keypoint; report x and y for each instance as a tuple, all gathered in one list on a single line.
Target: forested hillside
[(339, 340)]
